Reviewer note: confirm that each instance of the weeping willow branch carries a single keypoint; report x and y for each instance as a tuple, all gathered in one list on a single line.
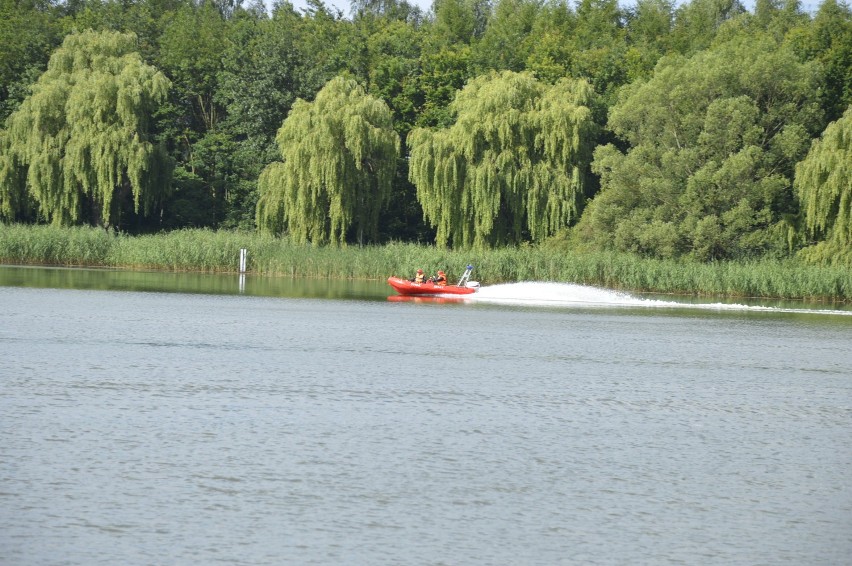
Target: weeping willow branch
[(339, 158), (823, 184), (517, 158), (83, 134)]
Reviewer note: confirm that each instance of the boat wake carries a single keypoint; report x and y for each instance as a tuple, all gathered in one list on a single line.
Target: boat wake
[(573, 295)]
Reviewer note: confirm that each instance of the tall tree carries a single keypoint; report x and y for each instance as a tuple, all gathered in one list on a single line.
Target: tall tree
[(29, 31), (697, 22), (778, 16), (713, 140), (649, 30), (552, 53), (828, 39), (824, 186), (264, 70), (444, 69), (394, 72), (600, 47), (506, 42), (339, 157), (145, 18), (398, 10), (80, 144), (394, 54), (191, 49), (460, 21), (514, 162)]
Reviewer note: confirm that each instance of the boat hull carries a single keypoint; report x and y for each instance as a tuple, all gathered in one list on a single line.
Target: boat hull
[(409, 288), (434, 299)]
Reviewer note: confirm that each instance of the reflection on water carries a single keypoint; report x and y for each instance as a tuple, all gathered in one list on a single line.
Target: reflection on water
[(200, 283), (522, 294)]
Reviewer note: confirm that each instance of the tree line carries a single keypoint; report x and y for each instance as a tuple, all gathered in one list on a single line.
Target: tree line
[(702, 130)]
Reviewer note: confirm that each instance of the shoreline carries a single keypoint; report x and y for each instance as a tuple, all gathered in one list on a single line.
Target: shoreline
[(208, 251)]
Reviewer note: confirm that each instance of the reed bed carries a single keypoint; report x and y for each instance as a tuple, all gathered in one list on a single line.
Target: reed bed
[(218, 251)]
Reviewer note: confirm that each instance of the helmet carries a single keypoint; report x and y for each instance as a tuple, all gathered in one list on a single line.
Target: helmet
[(440, 272), (419, 271)]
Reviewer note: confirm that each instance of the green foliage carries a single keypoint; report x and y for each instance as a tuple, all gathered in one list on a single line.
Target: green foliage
[(713, 142), (329, 43), (145, 18), (218, 251), (778, 17), (442, 74), (394, 52), (716, 183), (29, 31), (391, 10), (824, 186), (551, 52), (649, 36), (79, 145), (191, 50), (506, 42), (54, 245), (266, 66), (828, 40), (339, 156), (264, 70), (697, 22), (515, 160), (460, 21), (182, 250), (600, 47)]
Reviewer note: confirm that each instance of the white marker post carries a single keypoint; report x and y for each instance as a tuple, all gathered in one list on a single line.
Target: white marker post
[(243, 257)]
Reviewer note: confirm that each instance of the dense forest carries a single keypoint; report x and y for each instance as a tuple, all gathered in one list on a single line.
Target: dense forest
[(702, 130)]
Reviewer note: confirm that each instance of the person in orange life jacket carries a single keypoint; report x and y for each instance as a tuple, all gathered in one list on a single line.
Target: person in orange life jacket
[(440, 279), (420, 277)]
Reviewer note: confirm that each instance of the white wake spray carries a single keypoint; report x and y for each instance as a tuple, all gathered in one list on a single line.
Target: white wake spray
[(573, 295)]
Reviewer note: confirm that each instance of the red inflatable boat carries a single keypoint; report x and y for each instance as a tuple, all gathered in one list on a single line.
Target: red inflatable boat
[(406, 287)]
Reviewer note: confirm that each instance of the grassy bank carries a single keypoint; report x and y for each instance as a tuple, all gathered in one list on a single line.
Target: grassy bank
[(205, 250)]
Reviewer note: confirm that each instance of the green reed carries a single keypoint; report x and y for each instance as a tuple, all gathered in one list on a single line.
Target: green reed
[(218, 251), (51, 245)]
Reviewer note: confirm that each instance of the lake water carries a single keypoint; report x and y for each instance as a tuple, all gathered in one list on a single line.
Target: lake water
[(155, 419)]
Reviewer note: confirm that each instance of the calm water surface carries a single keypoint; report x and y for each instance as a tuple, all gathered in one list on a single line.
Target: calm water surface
[(541, 424)]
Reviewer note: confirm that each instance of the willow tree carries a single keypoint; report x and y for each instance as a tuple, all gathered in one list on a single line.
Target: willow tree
[(824, 186), (514, 163), (339, 157), (80, 144)]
